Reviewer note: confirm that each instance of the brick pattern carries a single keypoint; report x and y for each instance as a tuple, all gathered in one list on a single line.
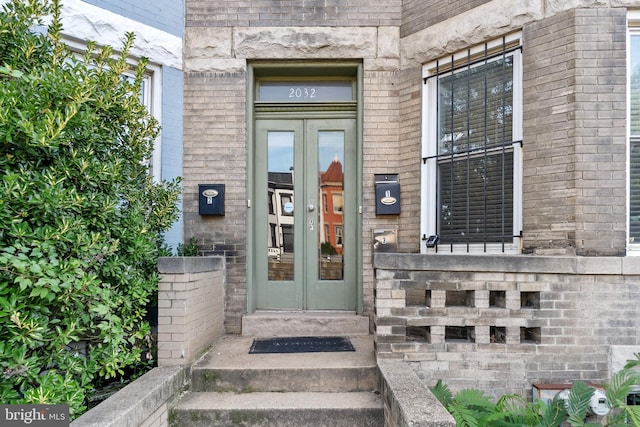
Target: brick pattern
[(380, 155), (410, 98), (578, 318), (190, 315), (292, 13), (419, 14), (160, 418), (601, 131), (215, 152), (574, 133)]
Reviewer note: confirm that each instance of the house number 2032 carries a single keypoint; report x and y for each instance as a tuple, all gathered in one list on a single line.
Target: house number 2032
[(302, 92)]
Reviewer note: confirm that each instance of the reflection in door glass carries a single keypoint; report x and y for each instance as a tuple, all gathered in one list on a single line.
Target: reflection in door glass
[(281, 204), (330, 221)]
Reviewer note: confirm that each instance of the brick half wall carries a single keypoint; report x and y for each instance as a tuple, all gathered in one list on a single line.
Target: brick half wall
[(503, 323), (190, 307)]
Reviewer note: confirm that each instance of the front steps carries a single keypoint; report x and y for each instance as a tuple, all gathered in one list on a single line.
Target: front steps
[(231, 387)]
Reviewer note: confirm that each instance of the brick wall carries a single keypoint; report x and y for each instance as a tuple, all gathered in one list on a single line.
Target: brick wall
[(503, 324), (278, 13), (143, 403), (419, 14), (380, 155), (410, 97), (215, 152), (601, 145), (190, 307), (574, 133)]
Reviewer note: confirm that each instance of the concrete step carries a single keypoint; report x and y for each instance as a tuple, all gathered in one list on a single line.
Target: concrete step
[(230, 387), (228, 366), (199, 409), (304, 323)]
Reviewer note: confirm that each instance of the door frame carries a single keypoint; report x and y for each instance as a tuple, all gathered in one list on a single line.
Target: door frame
[(298, 70)]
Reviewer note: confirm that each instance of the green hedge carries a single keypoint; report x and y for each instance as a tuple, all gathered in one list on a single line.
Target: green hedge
[(81, 221)]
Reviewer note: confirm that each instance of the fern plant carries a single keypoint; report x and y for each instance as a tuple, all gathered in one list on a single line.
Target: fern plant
[(471, 408)]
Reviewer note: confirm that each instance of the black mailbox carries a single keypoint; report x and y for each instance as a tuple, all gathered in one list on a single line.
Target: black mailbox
[(211, 199), (387, 194)]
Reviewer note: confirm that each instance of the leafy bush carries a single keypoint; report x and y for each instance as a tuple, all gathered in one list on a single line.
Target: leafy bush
[(188, 249), (80, 218), (471, 408)]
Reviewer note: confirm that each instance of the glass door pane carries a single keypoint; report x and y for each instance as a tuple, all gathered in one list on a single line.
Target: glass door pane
[(331, 200), (280, 197)]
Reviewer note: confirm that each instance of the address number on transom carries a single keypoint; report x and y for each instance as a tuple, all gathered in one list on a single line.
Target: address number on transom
[(305, 91), (302, 92)]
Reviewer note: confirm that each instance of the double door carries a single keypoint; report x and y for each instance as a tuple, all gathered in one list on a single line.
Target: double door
[(306, 213)]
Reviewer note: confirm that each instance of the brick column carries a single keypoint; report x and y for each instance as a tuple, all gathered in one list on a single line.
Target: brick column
[(190, 307)]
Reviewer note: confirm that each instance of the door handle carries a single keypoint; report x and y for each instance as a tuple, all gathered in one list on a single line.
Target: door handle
[(310, 207)]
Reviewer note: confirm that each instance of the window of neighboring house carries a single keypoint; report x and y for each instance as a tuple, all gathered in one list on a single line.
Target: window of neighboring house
[(472, 139), (150, 95), (338, 231), (286, 201), (337, 202), (634, 135)]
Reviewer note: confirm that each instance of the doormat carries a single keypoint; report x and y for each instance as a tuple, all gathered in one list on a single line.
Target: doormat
[(300, 345)]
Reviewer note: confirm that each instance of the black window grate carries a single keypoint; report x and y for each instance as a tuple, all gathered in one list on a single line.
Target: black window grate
[(475, 148)]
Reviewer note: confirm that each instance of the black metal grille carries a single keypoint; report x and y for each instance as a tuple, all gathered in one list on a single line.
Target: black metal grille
[(475, 148)]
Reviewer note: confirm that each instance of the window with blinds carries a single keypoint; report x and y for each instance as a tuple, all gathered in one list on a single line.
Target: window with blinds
[(634, 193), (634, 140), (472, 140)]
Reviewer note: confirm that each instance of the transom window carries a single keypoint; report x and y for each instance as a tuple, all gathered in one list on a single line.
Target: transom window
[(472, 139)]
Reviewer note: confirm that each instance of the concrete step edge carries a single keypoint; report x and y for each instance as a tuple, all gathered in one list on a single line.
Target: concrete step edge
[(310, 379), (205, 401)]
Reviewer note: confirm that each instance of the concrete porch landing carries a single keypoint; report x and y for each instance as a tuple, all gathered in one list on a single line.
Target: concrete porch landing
[(237, 370)]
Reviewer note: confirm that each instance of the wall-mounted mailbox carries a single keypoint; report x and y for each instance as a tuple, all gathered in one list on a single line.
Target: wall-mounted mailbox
[(387, 194), (211, 199)]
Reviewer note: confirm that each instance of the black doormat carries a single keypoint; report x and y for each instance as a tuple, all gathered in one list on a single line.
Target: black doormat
[(300, 345)]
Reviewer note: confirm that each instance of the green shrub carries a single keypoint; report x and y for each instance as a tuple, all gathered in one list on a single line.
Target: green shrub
[(471, 408), (80, 218), (188, 249)]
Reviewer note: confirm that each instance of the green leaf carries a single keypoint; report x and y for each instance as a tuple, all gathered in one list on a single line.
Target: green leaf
[(442, 393), (577, 403), (464, 416), (23, 282)]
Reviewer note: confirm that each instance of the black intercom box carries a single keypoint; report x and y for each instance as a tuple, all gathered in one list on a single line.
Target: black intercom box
[(211, 199), (387, 194)]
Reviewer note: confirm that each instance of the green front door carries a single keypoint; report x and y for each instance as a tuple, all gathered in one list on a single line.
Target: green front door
[(305, 214)]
